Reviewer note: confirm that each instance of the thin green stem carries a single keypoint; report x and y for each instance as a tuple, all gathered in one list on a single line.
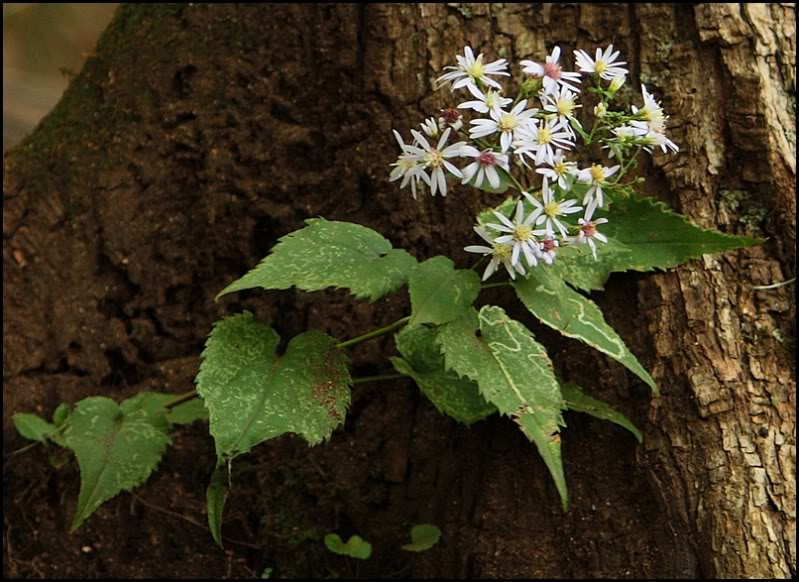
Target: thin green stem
[(378, 378), (181, 398), (516, 183), (378, 332), (499, 284)]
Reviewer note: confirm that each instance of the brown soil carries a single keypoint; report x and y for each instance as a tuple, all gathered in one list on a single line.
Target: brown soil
[(184, 150)]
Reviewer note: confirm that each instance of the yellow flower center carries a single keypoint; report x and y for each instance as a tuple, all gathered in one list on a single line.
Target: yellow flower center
[(522, 232), (565, 107), (597, 173), (433, 159), (503, 252), (561, 168), (600, 67), (406, 164), (476, 70), (507, 122), (544, 135), (552, 208)]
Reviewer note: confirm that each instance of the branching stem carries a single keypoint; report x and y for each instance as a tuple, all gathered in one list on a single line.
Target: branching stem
[(378, 332)]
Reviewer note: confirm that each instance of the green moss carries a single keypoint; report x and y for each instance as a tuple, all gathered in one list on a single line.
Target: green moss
[(747, 208), (663, 50)]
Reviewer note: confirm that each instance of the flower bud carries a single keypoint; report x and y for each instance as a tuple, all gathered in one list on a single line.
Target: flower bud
[(616, 83), (601, 109)]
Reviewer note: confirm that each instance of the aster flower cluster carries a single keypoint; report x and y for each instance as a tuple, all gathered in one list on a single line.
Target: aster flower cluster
[(530, 143)]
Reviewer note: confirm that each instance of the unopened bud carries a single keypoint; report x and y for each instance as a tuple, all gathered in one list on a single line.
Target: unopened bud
[(601, 109), (532, 86), (616, 83)]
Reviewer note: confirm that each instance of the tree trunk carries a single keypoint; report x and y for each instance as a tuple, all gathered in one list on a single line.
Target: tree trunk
[(196, 135)]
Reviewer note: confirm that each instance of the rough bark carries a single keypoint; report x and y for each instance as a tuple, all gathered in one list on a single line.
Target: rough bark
[(197, 135)]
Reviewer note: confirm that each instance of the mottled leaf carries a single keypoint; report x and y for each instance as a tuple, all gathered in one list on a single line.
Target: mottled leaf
[(564, 309), (644, 235), (579, 401), (513, 373), (660, 238), (452, 395), (439, 292), (423, 537), (356, 546), (117, 447), (577, 266), (252, 394), (331, 254)]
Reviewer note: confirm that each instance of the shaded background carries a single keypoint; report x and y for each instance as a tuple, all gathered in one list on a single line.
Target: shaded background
[(44, 45)]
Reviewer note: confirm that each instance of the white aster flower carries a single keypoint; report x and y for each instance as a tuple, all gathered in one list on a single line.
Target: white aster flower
[(653, 125), (549, 211), (552, 73), (625, 135), (450, 118), (588, 231), (500, 253), (408, 167), (484, 166), (470, 70), (539, 140), (656, 138), (549, 246), (431, 128), (561, 169), (562, 102), (596, 176), (519, 234), (652, 112), (435, 159), (605, 64), (484, 102), (505, 122)]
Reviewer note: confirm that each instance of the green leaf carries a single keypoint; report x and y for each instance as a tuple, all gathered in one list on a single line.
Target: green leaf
[(117, 447), (506, 208), (33, 427), (645, 235), (331, 254), (61, 414), (439, 292), (579, 401), (515, 374), (564, 309), (215, 497), (253, 395), (423, 537), (660, 238), (184, 413), (188, 412), (356, 546), (456, 397), (577, 266)]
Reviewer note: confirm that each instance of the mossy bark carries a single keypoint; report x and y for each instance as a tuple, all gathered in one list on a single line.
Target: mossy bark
[(196, 135)]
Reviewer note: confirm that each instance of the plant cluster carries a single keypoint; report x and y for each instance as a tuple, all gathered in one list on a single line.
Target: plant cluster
[(573, 219)]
